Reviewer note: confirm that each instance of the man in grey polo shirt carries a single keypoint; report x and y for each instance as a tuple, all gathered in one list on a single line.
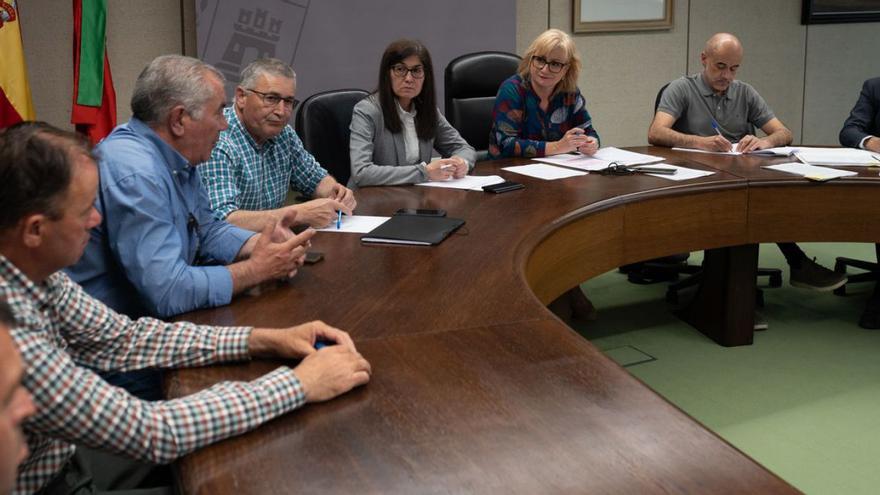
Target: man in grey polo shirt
[(711, 111)]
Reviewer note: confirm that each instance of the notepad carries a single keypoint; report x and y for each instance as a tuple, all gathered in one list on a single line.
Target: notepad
[(414, 230)]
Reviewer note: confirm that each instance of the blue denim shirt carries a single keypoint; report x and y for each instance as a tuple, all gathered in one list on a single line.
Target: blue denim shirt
[(159, 250)]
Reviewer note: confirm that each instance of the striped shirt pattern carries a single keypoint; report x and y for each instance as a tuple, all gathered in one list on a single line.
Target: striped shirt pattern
[(59, 329), (244, 176)]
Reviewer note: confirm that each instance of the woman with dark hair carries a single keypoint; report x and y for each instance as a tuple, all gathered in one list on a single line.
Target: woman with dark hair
[(395, 130)]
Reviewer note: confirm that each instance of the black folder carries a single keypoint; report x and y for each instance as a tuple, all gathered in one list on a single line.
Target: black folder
[(413, 229)]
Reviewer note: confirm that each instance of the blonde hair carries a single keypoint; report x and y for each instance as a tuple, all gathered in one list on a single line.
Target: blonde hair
[(548, 41)]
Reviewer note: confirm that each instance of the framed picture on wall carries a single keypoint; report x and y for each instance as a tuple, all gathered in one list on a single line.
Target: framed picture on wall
[(596, 16), (834, 11)]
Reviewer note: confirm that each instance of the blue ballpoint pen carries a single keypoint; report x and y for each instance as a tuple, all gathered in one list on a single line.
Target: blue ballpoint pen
[(339, 220)]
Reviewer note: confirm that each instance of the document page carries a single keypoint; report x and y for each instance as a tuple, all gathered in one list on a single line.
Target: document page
[(546, 172), (469, 182), (360, 224), (811, 171), (600, 159), (681, 173)]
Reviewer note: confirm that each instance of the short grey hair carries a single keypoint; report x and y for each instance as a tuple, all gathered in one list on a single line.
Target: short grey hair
[(168, 81), (270, 66)]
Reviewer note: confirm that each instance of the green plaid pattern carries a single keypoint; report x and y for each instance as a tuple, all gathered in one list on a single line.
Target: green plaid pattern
[(60, 329), (243, 176)]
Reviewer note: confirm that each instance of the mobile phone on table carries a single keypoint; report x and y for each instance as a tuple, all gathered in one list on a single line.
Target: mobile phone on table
[(313, 257), (503, 187)]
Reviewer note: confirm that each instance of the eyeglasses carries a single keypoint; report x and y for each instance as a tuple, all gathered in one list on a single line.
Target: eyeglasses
[(401, 70), (271, 99), (539, 62)]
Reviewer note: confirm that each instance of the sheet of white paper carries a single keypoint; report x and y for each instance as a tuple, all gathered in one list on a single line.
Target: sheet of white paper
[(360, 224), (692, 150), (612, 154), (850, 157), (811, 171), (599, 160), (546, 172), (469, 182), (682, 173)]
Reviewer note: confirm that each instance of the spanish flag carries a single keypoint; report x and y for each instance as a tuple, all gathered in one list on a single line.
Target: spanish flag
[(15, 94), (94, 99)]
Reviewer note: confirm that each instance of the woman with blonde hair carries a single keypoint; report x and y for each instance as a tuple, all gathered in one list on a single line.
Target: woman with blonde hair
[(539, 111)]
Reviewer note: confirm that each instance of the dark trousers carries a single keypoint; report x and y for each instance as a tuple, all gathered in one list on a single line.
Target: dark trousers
[(93, 472), (794, 255), (143, 384)]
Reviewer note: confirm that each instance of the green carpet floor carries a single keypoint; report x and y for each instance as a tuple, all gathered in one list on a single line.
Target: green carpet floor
[(804, 400)]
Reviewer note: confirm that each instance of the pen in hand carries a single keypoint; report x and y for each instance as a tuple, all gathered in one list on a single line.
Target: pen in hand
[(718, 131), (339, 220)]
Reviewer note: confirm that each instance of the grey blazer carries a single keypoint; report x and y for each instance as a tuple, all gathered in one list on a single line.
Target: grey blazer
[(378, 156)]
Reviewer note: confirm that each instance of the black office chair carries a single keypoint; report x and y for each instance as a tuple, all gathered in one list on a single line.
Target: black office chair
[(871, 274), (322, 123), (471, 83)]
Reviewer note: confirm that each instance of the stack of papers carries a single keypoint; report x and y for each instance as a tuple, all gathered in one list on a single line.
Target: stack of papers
[(811, 172), (814, 156), (469, 182), (546, 172), (837, 156), (600, 159)]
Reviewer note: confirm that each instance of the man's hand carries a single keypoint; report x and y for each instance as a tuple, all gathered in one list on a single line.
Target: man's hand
[(295, 342), (324, 373), (272, 259), (713, 143), (332, 371), (752, 143), (321, 212), (873, 144), (344, 195)]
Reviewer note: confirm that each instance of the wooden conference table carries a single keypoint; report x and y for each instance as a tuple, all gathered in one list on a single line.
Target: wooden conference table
[(477, 387)]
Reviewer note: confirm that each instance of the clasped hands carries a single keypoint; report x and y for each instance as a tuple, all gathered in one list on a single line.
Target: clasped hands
[(323, 374), (453, 167), (718, 142)]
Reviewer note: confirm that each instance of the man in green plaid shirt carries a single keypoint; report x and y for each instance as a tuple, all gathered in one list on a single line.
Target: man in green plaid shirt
[(259, 158), (48, 183)]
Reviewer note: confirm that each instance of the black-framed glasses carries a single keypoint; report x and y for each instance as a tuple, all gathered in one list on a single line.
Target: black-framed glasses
[(271, 99), (401, 70), (540, 62)]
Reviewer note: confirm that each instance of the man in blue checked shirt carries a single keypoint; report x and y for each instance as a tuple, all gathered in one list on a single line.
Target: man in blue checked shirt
[(159, 250), (48, 185), (259, 158)]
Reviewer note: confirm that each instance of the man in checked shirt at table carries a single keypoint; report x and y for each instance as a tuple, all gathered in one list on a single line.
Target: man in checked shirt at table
[(48, 182)]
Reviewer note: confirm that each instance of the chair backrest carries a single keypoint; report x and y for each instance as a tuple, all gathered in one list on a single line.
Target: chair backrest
[(659, 95), (323, 125), (471, 83)]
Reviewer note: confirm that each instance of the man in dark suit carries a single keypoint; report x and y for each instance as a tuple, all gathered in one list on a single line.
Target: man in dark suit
[(861, 130)]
